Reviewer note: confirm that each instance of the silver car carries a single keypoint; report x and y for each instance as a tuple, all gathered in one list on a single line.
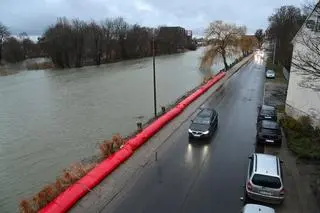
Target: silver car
[(264, 179), (254, 208), (270, 74)]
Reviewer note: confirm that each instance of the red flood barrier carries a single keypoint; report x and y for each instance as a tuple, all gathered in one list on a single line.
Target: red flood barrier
[(73, 193)]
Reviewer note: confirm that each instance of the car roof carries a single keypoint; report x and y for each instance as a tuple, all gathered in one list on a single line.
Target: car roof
[(254, 208), (266, 164), (267, 107), (270, 71), (267, 124), (206, 112)]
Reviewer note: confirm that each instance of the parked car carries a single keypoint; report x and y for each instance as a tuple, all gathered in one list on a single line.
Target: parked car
[(270, 74), (264, 181), (268, 132), (255, 208), (267, 113), (204, 124)]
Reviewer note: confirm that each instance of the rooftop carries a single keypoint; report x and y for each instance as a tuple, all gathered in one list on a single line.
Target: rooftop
[(267, 164)]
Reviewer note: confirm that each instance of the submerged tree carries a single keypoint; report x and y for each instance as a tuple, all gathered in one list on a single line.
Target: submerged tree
[(4, 33), (223, 39)]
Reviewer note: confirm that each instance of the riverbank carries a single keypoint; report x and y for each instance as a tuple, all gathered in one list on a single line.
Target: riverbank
[(46, 64)]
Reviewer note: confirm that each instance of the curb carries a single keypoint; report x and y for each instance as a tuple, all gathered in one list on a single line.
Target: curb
[(76, 191)]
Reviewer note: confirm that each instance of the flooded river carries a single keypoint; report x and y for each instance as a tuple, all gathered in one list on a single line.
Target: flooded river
[(50, 119)]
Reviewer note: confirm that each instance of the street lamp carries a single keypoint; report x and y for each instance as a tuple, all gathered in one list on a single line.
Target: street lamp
[(154, 76)]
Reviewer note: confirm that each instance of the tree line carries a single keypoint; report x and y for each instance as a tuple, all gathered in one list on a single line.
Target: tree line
[(75, 43), (15, 49)]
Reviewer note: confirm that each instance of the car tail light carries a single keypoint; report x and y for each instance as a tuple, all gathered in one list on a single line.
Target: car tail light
[(282, 191), (249, 186)]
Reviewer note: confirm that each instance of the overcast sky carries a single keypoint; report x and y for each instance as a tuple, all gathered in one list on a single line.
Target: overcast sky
[(33, 16)]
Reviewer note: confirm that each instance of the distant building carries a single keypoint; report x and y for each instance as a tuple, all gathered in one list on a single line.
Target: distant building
[(303, 95)]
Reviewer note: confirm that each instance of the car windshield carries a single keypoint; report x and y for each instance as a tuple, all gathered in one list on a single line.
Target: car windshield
[(270, 131), (267, 112), (202, 120), (266, 181)]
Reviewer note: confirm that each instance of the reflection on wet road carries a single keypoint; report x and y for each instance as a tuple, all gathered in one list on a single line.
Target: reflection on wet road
[(203, 177)]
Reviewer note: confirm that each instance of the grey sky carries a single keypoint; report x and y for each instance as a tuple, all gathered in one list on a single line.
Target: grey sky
[(33, 16)]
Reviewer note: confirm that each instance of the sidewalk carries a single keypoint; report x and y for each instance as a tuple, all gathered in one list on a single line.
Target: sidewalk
[(299, 196), (121, 178)]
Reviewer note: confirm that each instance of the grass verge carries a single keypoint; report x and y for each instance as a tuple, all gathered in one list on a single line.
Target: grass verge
[(277, 69), (303, 139)]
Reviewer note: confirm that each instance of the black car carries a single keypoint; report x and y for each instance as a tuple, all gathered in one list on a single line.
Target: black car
[(204, 124), (267, 113), (269, 132)]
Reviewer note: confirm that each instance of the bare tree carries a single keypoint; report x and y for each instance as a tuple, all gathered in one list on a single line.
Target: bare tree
[(4, 33), (283, 25), (58, 42), (308, 7), (78, 31), (28, 46), (306, 58), (259, 35), (12, 50), (96, 36), (247, 43), (138, 42), (121, 30), (108, 34), (223, 42)]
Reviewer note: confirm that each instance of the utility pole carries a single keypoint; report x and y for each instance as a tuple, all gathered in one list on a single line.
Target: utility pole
[(274, 51), (154, 77)]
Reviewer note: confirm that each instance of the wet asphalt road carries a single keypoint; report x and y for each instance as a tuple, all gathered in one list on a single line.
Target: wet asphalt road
[(206, 177)]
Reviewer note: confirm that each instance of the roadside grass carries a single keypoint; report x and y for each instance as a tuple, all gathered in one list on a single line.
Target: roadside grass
[(278, 71), (303, 139), (281, 108)]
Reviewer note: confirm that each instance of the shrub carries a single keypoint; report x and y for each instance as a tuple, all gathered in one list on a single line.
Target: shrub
[(307, 128), (303, 139), (290, 123), (108, 147), (51, 191), (25, 207)]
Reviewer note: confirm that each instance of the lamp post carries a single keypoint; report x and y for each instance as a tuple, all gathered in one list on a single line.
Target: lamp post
[(274, 51), (154, 77)]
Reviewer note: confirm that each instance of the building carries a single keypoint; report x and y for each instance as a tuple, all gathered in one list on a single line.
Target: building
[(303, 95)]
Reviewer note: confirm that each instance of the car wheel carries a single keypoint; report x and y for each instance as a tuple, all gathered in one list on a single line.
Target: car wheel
[(246, 199)]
